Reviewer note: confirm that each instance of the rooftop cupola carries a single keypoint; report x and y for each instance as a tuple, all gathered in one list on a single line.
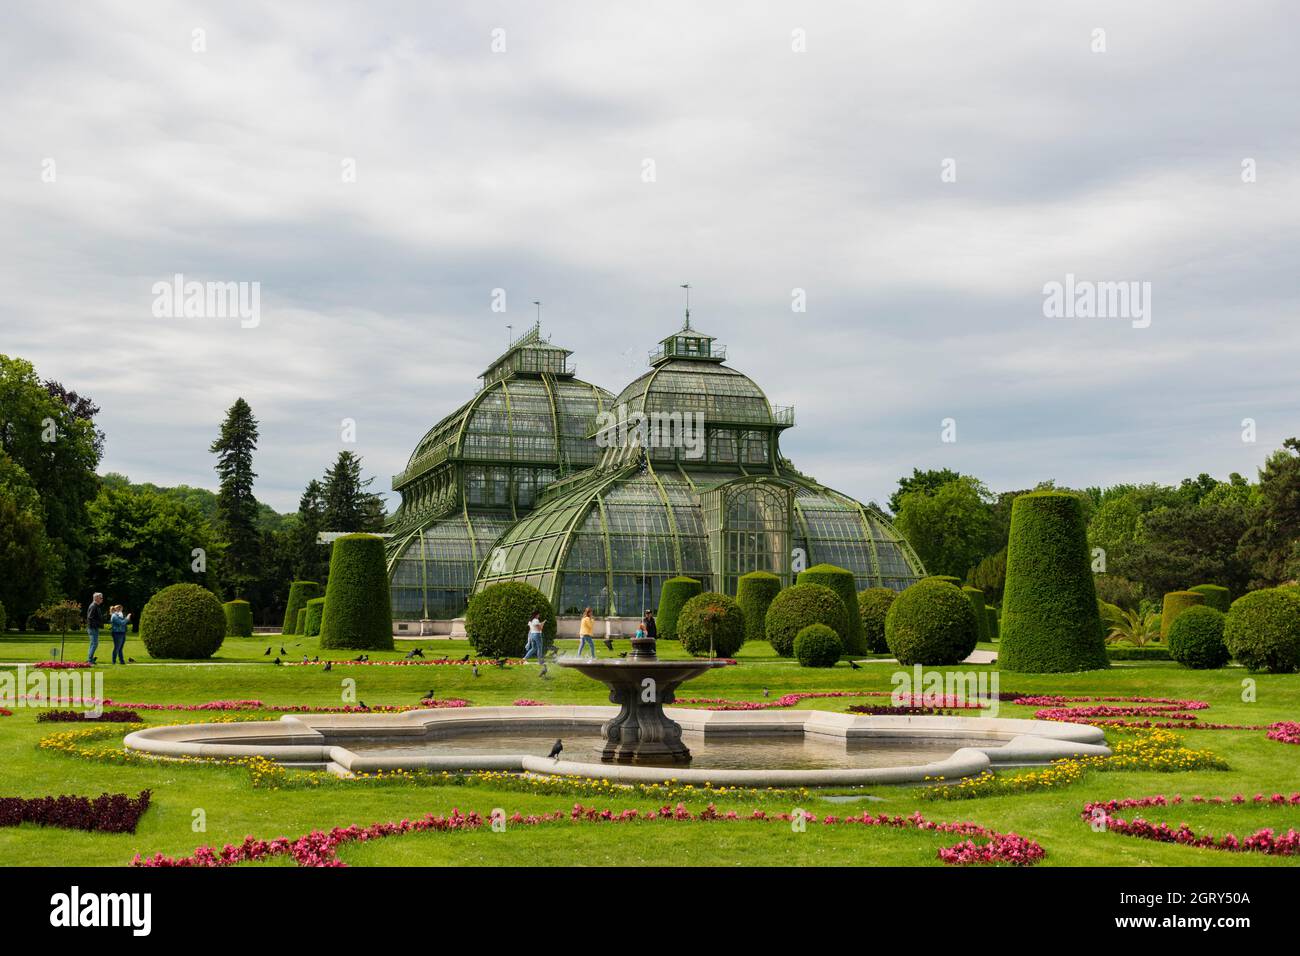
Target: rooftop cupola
[(688, 343), (532, 355)]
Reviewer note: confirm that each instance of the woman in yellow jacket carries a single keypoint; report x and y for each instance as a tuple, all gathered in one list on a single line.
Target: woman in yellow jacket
[(584, 632)]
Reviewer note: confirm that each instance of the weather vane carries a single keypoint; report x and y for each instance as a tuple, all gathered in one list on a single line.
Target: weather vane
[(687, 287)]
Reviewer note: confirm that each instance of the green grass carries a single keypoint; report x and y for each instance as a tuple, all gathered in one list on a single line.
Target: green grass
[(233, 808)]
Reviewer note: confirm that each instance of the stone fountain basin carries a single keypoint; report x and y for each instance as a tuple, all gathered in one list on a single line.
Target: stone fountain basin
[(321, 740)]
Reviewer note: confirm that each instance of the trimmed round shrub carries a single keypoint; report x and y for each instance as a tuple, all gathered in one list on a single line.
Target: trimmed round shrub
[(711, 624), (873, 605), (1216, 596), (976, 598), (182, 622), (315, 614), (361, 612), (1176, 602), (817, 646), (496, 622), (239, 618), (1050, 622), (1196, 639), (672, 598), (300, 592), (798, 606), (843, 583), (1262, 630), (931, 623), (754, 594), (991, 617)]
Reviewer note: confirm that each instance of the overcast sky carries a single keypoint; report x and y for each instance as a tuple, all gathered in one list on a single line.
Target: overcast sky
[(792, 148)]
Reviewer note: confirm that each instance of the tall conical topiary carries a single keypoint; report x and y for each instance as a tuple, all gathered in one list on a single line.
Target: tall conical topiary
[(300, 592), (1050, 621), (358, 611), (239, 618), (315, 614), (842, 582), (672, 598), (976, 598), (754, 594)]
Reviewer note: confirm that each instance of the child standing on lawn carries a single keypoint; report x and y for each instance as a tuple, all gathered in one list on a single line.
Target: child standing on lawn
[(117, 624)]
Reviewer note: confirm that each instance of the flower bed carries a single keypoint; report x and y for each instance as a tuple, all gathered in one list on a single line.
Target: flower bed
[(319, 848), (1284, 731), (81, 716), (1266, 841), (245, 705), (62, 665), (789, 700), (107, 813)]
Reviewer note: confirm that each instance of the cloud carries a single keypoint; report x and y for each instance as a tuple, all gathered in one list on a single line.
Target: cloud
[(775, 170)]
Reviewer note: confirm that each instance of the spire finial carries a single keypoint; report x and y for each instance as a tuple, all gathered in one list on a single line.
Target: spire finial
[(687, 324)]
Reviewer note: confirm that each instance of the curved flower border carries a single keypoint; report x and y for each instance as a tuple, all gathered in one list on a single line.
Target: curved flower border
[(1101, 815)]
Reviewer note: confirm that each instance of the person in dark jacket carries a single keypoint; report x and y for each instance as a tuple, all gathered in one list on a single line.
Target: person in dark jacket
[(94, 621)]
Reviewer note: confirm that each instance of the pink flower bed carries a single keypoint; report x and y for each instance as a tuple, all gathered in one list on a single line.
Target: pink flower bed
[(480, 661), (1285, 731), (319, 848), (62, 665), (1265, 841), (528, 702), (238, 705), (789, 700)]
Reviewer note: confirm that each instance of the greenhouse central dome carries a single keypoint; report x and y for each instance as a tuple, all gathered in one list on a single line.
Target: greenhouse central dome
[(689, 480)]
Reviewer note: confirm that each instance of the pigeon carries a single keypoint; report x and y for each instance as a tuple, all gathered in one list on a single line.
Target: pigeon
[(555, 750), (329, 665), (267, 652), (130, 660), (464, 659), (609, 645), (283, 652), (277, 662), (476, 670), (854, 665)]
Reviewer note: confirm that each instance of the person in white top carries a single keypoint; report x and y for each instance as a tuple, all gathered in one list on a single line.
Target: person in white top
[(535, 638)]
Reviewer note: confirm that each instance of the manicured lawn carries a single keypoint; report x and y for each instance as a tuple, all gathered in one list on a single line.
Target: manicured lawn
[(234, 808)]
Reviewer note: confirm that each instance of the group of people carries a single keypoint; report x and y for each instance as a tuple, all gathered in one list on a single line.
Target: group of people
[(118, 621), (535, 647)]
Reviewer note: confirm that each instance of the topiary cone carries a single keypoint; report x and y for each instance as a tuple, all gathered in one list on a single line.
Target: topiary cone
[(239, 618), (1175, 603), (300, 592), (1050, 622), (754, 593), (842, 582), (358, 610), (672, 598)]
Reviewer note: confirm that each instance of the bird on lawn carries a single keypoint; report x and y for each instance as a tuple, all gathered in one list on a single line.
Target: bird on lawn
[(443, 658), (609, 645), (542, 672), (283, 652), (555, 750), (501, 663), (464, 659), (277, 662), (329, 665), (267, 652), (418, 652), (622, 654), (130, 660), (409, 655), (432, 695), (854, 665), (358, 658), (362, 705)]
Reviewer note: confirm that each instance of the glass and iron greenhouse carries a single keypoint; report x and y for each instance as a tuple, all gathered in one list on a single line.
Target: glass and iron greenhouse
[(598, 500)]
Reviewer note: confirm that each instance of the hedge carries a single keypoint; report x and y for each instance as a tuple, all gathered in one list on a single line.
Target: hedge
[(360, 609), (1196, 639), (843, 583), (496, 622), (991, 618), (300, 592), (976, 598), (873, 605), (672, 598), (183, 622), (2, 616), (754, 594), (1176, 602), (711, 625), (1216, 596), (818, 646), (1148, 652), (239, 618), (1050, 622), (1262, 630), (798, 606), (315, 615), (931, 623)]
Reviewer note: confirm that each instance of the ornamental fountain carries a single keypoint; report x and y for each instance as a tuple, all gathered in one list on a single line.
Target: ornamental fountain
[(641, 684)]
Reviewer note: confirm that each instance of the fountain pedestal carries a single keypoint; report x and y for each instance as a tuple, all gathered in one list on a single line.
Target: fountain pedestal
[(641, 684)]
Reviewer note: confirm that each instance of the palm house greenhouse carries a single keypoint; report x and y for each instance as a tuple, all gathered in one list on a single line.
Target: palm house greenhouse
[(597, 500)]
